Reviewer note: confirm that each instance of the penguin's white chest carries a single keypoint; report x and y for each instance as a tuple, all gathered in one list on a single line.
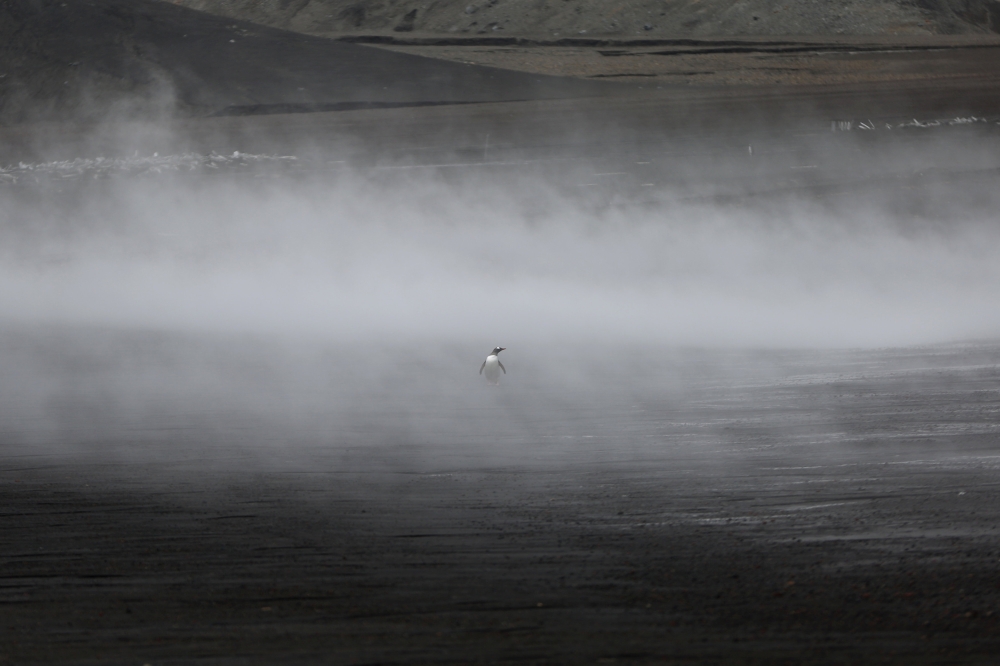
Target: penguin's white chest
[(492, 369)]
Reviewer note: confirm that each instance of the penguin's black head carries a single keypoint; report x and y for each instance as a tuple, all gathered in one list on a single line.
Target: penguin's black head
[(497, 350)]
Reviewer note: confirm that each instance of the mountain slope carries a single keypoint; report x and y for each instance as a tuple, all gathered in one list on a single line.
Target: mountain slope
[(695, 18), (89, 59)]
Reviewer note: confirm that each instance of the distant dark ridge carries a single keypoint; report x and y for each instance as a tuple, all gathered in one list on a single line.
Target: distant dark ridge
[(527, 41), (696, 45), (269, 109), (807, 49), (603, 19), (101, 60)]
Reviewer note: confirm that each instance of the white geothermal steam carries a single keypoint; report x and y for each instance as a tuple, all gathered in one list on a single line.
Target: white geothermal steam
[(174, 315), (353, 260)]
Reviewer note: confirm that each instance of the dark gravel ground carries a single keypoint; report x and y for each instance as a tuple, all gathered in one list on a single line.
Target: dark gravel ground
[(798, 514)]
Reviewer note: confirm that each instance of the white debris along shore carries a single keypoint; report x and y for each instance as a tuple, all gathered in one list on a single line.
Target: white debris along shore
[(107, 167)]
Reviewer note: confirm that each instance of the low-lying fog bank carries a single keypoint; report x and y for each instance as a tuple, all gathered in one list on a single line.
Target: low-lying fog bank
[(154, 316), (470, 261)]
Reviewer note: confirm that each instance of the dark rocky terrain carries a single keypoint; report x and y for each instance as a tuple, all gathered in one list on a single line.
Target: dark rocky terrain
[(655, 18), (802, 515), (110, 59)]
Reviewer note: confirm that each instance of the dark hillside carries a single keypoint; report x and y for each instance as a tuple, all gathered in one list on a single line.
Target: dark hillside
[(93, 58)]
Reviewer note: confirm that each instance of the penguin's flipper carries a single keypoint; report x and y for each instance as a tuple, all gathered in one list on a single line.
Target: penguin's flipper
[(501, 366), (484, 365)]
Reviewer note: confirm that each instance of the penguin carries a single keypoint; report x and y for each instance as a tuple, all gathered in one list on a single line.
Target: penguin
[(493, 366)]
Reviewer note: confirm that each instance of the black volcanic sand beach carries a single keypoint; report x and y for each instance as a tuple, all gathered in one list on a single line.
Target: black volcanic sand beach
[(781, 507), (169, 494)]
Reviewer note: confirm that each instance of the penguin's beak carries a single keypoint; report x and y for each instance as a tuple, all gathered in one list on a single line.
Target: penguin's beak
[(502, 348)]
